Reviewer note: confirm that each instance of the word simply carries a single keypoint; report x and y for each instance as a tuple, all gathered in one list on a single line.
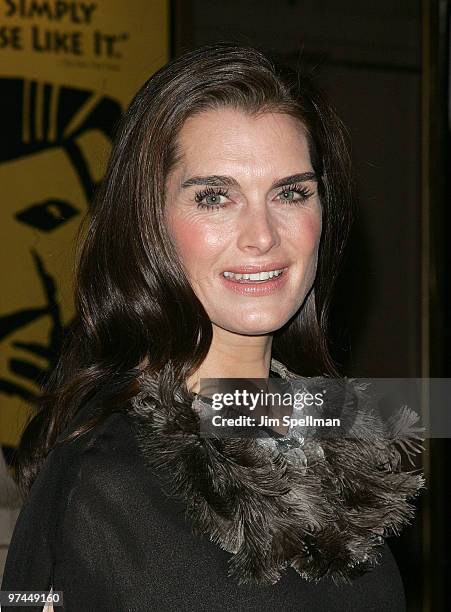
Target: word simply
[(75, 12)]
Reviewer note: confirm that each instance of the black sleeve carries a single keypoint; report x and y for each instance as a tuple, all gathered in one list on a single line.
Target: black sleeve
[(103, 553)]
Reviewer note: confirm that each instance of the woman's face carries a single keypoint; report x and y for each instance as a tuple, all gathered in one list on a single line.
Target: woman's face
[(233, 202)]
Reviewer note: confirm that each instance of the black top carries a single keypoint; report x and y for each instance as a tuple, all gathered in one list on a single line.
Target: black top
[(97, 526)]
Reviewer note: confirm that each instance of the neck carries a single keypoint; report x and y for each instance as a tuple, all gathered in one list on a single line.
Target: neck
[(234, 356)]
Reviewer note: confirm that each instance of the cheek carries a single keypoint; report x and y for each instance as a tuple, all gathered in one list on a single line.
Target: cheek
[(196, 242), (307, 234)]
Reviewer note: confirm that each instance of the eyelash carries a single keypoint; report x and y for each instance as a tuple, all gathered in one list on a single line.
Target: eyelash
[(219, 191), (200, 195)]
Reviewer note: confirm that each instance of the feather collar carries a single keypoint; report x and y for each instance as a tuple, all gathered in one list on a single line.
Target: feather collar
[(321, 506)]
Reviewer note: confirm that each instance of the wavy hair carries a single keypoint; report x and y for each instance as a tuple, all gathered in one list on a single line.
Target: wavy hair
[(133, 301)]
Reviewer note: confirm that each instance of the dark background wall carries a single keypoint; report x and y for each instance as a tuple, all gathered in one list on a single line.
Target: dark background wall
[(383, 65)]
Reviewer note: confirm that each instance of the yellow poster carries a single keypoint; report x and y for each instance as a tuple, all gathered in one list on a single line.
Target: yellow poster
[(67, 72)]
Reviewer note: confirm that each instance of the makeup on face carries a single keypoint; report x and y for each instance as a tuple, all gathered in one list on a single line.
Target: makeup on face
[(243, 209)]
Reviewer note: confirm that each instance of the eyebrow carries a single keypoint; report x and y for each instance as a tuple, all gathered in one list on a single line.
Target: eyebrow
[(218, 180)]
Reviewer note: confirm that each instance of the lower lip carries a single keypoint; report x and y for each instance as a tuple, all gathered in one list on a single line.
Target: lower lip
[(257, 289)]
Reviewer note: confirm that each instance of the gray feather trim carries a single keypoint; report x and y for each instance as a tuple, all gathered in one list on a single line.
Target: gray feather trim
[(322, 508)]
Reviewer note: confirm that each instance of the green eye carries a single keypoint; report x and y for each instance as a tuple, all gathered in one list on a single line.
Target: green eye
[(288, 194), (210, 197)]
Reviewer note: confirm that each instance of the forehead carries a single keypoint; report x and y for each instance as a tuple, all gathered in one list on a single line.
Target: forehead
[(230, 135)]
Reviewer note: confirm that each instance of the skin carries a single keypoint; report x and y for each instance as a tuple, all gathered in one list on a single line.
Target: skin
[(254, 224)]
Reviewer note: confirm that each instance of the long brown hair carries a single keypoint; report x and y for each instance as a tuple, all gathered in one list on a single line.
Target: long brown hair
[(132, 298)]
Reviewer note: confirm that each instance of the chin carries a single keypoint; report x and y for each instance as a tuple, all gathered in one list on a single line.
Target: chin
[(255, 327)]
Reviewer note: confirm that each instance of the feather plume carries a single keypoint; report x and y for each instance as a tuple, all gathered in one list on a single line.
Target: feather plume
[(322, 506)]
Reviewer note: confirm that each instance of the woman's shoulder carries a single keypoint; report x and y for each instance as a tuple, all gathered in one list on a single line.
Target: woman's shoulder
[(106, 454), (109, 449), (76, 475)]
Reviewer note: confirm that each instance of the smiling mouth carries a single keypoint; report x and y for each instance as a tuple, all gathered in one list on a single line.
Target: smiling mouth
[(254, 278)]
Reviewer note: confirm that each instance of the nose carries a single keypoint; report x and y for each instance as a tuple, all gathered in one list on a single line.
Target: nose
[(257, 231)]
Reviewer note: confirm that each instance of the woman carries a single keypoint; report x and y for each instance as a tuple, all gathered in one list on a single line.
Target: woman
[(224, 165)]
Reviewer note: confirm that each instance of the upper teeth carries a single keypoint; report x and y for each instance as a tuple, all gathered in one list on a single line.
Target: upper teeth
[(254, 277)]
